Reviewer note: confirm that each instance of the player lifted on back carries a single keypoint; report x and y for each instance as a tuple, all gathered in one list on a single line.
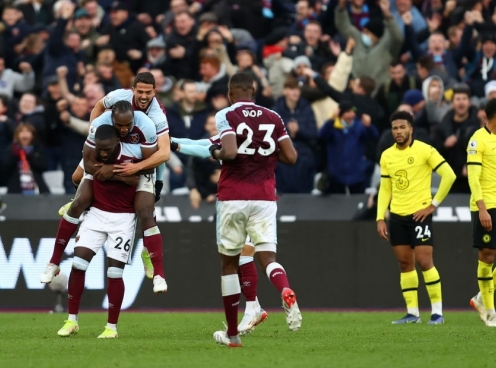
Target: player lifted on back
[(253, 139), (481, 165), (134, 128), (406, 172), (111, 220), (142, 98)]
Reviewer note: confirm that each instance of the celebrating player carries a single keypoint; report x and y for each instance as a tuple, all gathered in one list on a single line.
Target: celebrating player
[(481, 165), (135, 128), (142, 98), (253, 139), (111, 220), (406, 172)]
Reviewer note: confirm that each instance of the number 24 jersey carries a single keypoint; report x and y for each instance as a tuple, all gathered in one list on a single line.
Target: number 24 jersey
[(410, 171)]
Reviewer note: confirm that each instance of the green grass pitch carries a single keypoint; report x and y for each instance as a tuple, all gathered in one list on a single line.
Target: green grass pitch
[(327, 339)]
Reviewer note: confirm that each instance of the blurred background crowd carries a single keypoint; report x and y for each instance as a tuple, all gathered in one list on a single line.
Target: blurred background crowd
[(333, 69)]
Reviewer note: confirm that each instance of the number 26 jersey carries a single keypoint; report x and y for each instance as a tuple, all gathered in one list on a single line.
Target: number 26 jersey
[(258, 131)]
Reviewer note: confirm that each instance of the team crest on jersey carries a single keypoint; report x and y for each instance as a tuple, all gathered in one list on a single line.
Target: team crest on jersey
[(486, 238), (134, 137), (410, 160), (472, 144)]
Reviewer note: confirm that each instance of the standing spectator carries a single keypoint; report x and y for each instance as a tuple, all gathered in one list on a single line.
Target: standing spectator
[(405, 6), (32, 111), (391, 93), (374, 49), (181, 48), (278, 66), (16, 30), (453, 135), (213, 79), (107, 78), (127, 36), (155, 54), (317, 51), (37, 12), (63, 49), (345, 140), (11, 81), (7, 126), (99, 19), (435, 104), (32, 53), (87, 33), (164, 87), (25, 163), (300, 123), (305, 13)]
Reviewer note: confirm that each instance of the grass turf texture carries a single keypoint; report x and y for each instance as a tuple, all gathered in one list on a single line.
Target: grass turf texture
[(327, 339)]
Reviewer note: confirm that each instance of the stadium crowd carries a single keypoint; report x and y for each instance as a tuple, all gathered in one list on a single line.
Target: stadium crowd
[(333, 69)]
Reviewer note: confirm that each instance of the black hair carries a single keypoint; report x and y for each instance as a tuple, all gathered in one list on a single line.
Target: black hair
[(491, 109), (145, 77), (104, 132), (121, 107), (401, 115), (243, 81)]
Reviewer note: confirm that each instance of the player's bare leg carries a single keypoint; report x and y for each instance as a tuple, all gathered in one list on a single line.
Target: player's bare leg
[(144, 204), (115, 292), (409, 283), (67, 227), (432, 280), (248, 277), (277, 276), (80, 263), (231, 292)]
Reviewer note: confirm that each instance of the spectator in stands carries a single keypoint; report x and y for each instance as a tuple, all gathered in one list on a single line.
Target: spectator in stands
[(11, 81), (88, 34), (53, 138), (375, 49), (32, 111), (164, 87), (128, 38), (436, 105), (278, 66), (404, 6), (98, 17), (36, 12), (16, 30), (345, 140), (213, 79), (203, 173), (107, 78), (181, 58), (453, 134), (426, 68), (299, 119), (390, 94), (155, 54), (317, 51), (25, 162), (64, 49), (32, 53), (7, 126), (305, 13)]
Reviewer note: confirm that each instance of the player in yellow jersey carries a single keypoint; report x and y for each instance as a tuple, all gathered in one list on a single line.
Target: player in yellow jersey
[(406, 172), (481, 165)]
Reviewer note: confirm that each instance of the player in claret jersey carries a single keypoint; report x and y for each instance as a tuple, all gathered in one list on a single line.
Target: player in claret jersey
[(253, 140), (112, 220)]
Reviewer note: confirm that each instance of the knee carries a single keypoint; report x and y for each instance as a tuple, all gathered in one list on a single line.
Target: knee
[(425, 263), (406, 265), (145, 213), (487, 256)]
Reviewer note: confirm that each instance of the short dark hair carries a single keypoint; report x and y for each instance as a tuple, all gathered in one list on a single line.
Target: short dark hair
[(395, 63), (145, 77), (491, 109), (461, 88), (326, 65), (243, 81), (426, 62), (104, 132), (121, 107), (5, 100), (401, 115), (368, 84), (291, 82)]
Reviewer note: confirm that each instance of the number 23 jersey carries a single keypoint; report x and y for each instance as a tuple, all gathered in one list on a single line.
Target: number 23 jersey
[(410, 171), (258, 131)]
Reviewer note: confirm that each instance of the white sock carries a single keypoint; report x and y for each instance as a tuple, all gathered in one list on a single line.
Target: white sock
[(112, 326), (413, 311), (73, 317), (258, 307), (478, 297), (251, 308), (437, 308)]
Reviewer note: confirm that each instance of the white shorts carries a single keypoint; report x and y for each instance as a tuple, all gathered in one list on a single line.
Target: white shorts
[(238, 219), (146, 184), (116, 230)]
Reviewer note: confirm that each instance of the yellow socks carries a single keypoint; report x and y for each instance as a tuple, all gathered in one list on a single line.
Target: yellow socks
[(433, 285), (485, 277), (409, 286)]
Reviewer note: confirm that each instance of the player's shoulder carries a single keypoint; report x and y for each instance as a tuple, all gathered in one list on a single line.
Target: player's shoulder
[(388, 151), (481, 134), (422, 146), (117, 95), (156, 106), (104, 119)]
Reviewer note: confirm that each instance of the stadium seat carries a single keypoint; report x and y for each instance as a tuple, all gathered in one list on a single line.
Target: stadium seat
[(54, 180)]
